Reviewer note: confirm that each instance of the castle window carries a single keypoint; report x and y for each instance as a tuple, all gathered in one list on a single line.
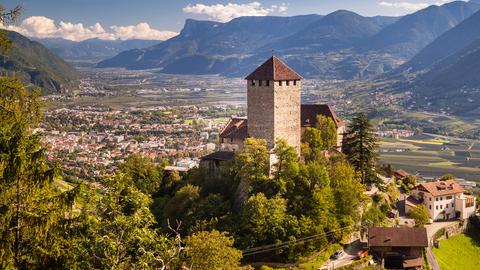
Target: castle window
[(430, 207), (279, 83), (267, 82), (253, 82), (295, 82), (288, 83), (449, 197), (260, 83)]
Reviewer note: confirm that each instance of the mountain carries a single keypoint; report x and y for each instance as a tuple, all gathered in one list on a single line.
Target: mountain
[(92, 50), (338, 30), (341, 45), (37, 66), (236, 38), (413, 32), (449, 43)]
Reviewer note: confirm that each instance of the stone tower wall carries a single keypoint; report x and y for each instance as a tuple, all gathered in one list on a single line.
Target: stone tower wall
[(287, 113), (260, 112), (274, 112)]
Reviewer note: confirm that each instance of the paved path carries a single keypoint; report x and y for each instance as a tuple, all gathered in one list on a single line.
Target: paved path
[(347, 258), (432, 260)]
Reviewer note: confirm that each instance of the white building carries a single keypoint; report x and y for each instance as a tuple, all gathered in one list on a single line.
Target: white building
[(444, 200)]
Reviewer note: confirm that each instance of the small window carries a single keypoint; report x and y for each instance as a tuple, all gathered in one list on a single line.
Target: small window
[(294, 82), (446, 206), (253, 82), (430, 198), (436, 199), (288, 83), (441, 206), (436, 207), (267, 82), (452, 204), (279, 83), (231, 139), (430, 207), (449, 197), (260, 83)]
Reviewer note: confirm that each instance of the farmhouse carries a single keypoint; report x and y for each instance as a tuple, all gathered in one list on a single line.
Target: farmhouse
[(444, 200), (398, 248)]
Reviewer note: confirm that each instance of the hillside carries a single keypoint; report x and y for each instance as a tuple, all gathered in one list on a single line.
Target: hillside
[(341, 45), (37, 66), (413, 32), (449, 43), (92, 50)]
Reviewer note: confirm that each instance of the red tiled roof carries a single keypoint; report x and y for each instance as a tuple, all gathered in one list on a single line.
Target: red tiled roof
[(442, 187), (309, 114), (397, 237), (236, 128), (274, 69)]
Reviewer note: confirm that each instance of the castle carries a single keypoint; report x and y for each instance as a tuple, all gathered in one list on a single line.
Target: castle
[(274, 112)]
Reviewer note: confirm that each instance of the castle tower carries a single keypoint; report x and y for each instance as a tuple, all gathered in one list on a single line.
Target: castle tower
[(273, 99)]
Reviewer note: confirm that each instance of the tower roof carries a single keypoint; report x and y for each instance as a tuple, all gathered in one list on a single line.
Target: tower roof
[(274, 69)]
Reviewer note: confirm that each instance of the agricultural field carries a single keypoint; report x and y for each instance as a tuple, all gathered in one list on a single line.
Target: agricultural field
[(430, 156), (459, 252)]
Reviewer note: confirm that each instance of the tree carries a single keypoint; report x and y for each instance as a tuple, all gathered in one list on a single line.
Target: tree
[(360, 145), (30, 204), (286, 165), (143, 173), (328, 131), (420, 215), (373, 217), (211, 251), (312, 144), (252, 165), (446, 177), (7, 17)]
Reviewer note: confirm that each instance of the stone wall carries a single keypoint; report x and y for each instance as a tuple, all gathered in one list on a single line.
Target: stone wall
[(287, 113), (260, 112), (274, 112)]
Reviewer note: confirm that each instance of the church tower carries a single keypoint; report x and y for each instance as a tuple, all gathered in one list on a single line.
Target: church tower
[(273, 99)]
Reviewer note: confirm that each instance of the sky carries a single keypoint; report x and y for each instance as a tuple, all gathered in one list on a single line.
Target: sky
[(161, 19)]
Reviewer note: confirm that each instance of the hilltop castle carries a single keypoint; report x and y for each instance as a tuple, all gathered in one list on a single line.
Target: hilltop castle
[(274, 111)]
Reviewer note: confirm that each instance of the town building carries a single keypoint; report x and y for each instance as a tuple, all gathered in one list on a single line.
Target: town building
[(444, 200), (398, 248)]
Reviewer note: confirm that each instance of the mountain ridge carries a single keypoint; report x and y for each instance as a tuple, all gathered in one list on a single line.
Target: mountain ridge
[(35, 65)]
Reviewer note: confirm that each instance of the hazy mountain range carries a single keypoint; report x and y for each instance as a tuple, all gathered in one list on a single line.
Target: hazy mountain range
[(340, 45), (92, 50)]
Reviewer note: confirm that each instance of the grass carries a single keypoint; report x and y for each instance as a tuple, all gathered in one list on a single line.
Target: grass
[(459, 252)]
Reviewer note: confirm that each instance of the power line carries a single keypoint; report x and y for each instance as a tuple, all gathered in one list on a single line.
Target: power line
[(272, 247)]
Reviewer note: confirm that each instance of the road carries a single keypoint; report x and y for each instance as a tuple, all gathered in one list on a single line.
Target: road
[(347, 258)]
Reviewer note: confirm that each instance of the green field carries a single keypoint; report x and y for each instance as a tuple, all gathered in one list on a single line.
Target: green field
[(460, 252), (429, 156)]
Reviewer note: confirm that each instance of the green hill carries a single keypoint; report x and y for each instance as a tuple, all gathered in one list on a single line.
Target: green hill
[(36, 66)]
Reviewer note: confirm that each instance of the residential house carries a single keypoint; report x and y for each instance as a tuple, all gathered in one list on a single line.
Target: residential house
[(444, 200)]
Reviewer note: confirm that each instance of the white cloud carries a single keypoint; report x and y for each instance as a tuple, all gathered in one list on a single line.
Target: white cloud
[(225, 13), (404, 5), (43, 27), (409, 6)]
